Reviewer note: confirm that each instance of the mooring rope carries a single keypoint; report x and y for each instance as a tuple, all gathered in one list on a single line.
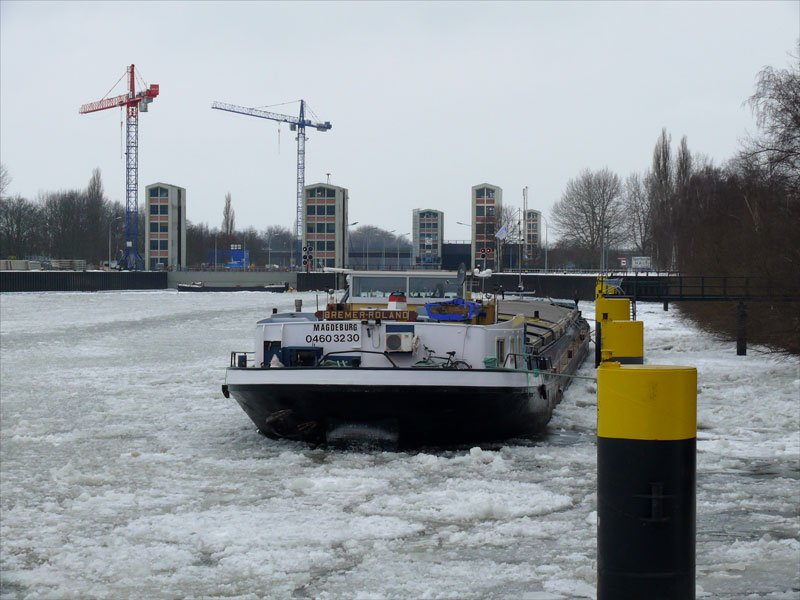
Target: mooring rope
[(554, 374)]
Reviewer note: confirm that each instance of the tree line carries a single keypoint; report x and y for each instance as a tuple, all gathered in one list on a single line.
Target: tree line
[(695, 217), (84, 224), (78, 224), (739, 218)]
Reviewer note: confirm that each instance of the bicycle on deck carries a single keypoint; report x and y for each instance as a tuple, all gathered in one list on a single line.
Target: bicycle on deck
[(431, 361)]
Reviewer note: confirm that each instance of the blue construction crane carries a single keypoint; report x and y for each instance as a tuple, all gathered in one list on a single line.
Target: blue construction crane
[(298, 124)]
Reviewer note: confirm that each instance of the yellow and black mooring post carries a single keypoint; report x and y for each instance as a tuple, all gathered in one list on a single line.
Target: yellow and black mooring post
[(646, 444)]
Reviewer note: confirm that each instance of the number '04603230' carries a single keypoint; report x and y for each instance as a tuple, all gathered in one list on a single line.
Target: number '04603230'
[(328, 338)]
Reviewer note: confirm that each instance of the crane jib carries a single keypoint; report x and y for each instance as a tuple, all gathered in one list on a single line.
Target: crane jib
[(295, 123), (263, 114)]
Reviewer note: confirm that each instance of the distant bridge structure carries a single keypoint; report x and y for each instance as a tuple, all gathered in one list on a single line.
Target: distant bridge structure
[(714, 288), (700, 288)]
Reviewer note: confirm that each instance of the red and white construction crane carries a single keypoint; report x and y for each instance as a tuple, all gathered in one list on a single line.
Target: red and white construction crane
[(133, 102)]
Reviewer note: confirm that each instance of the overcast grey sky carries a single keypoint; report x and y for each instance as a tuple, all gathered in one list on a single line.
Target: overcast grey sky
[(426, 99)]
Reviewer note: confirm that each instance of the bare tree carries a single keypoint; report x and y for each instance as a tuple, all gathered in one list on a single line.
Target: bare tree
[(660, 186), (95, 220), (228, 217), (5, 180), (510, 224), (590, 212), (278, 244), (776, 105), (639, 211), (683, 167), (19, 227)]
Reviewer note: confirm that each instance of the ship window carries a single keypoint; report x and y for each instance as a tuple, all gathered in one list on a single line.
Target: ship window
[(378, 287), (331, 193), (301, 357), (163, 227), (311, 209), (500, 347), (153, 227), (514, 351), (271, 348), (432, 287)]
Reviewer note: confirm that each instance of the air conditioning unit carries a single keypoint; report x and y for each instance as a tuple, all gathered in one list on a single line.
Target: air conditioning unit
[(399, 342)]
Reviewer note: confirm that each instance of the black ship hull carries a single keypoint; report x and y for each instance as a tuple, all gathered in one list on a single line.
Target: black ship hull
[(409, 416)]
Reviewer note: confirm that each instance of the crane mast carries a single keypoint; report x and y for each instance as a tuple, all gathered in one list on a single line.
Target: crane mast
[(298, 124), (133, 102)]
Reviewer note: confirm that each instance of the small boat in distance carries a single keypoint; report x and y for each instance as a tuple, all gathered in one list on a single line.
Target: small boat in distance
[(407, 360), (199, 286)]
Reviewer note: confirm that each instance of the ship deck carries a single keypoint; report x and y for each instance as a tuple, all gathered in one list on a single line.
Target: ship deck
[(548, 313)]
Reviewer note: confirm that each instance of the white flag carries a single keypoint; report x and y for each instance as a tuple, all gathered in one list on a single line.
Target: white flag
[(502, 233)]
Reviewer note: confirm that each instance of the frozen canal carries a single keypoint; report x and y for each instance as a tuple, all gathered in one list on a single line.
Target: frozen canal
[(124, 473)]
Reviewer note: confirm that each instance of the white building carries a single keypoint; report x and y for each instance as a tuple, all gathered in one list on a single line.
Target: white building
[(165, 227), (487, 207), (325, 235), (532, 228), (427, 231)]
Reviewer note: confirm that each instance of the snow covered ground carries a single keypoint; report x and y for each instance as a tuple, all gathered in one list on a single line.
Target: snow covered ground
[(124, 473)]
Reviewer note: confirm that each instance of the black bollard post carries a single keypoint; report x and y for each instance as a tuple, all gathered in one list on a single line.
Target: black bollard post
[(741, 330), (646, 443)]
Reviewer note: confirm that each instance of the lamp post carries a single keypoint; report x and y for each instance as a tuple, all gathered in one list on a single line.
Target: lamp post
[(346, 259), (399, 237), (472, 252), (520, 241), (110, 225), (546, 228), (383, 259)]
